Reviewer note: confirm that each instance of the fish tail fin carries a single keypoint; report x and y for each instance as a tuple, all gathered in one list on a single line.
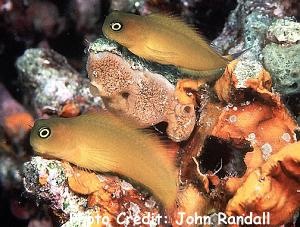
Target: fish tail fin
[(231, 57)]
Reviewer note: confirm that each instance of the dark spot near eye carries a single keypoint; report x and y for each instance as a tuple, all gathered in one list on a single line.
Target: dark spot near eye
[(125, 95)]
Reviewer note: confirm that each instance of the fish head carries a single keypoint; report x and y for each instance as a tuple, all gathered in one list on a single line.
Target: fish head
[(48, 137), (124, 28)]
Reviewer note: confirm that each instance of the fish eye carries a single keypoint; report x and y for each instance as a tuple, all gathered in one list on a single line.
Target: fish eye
[(116, 26), (44, 132)]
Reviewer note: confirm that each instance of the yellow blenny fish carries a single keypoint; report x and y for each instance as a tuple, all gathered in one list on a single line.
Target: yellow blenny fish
[(105, 143), (166, 40)]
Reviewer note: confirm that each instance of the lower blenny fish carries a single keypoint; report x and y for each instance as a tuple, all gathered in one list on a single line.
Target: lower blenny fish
[(166, 40), (105, 143)]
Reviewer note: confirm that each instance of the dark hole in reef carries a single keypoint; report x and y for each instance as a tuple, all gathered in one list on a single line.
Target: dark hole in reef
[(125, 95), (295, 75), (208, 16), (297, 133), (298, 219), (187, 109), (294, 86), (160, 129), (225, 158), (10, 49), (292, 102), (191, 92)]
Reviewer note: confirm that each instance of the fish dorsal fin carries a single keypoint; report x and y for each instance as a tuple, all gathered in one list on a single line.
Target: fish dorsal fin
[(179, 26)]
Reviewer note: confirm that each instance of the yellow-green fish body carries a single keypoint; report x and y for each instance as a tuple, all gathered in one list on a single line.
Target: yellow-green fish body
[(105, 143), (165, 40)]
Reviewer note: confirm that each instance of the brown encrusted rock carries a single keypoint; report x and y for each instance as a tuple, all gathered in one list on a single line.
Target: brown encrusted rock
[(271, 188), (129, 87), (242, 75)]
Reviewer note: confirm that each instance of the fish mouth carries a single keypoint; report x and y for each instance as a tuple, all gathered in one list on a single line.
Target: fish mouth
[(44, 154), (34, 149), (38, 151), (104, 33)]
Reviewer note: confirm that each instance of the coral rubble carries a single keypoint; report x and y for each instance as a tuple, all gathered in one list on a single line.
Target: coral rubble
[(261, 22)]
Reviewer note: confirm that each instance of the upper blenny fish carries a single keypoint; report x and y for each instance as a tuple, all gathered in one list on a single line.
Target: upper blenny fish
[(163, 39), (106, 143)]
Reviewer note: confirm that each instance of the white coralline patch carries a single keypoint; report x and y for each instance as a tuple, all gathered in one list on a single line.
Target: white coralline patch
[(295, 135), (137, 4), (150, 203), (59, 88), (247, 68), (126, 186), (134, 212), (229, 106), (251, 137), (232, 119), (134, 209), (286, 137), (266, 150), (104, 45), (247, 103), (55, 190), (284, 31)]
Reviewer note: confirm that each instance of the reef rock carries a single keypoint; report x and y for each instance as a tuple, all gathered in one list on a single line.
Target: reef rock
[(108, 196), (271, 188), (14, 118), (242, 155), (142, 91), (51, 83), (282, 58)]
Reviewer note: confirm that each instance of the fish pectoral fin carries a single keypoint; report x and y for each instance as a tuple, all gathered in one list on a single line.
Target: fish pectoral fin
[(101, 163), (161, 56)]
